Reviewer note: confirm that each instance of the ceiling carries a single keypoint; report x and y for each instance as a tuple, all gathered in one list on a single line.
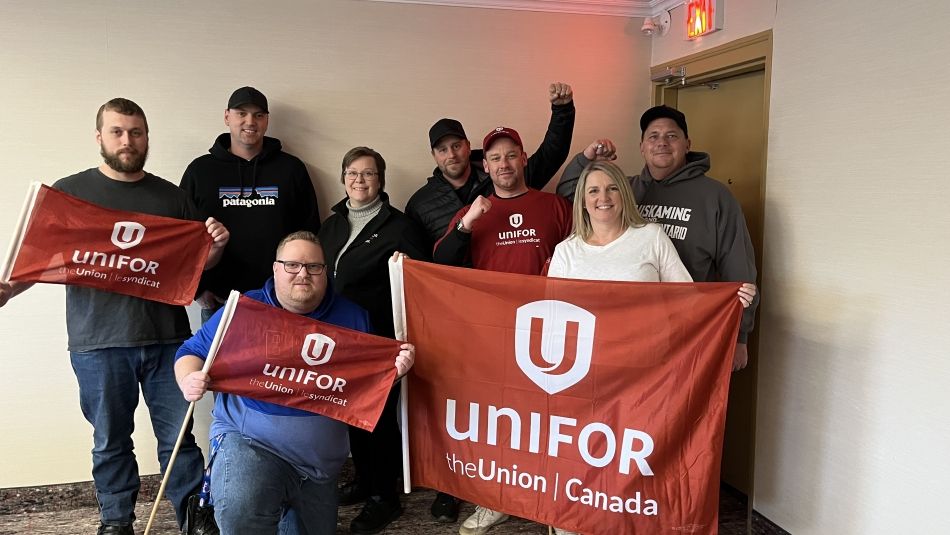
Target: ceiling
[(616, 8)]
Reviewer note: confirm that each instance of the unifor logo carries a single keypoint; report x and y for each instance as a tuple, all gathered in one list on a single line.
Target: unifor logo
[(127, 234), (516, 220), (561, 358), (317, 349)]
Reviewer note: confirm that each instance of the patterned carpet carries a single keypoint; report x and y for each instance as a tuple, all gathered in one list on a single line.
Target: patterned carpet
[(71, 509)]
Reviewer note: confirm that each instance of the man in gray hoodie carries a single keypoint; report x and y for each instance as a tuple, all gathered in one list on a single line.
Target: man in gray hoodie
[(699, 214)]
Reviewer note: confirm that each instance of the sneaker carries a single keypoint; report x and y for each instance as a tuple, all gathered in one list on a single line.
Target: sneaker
[(376, 515), (351, 494), (445, 508), (559, 531), (108, 529), (482, 519)]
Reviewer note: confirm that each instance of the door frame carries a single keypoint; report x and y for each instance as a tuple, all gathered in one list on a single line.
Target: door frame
[(748, 54), (751, 53)]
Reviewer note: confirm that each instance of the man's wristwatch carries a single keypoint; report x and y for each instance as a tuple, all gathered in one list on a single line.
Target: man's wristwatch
[(461, 228)]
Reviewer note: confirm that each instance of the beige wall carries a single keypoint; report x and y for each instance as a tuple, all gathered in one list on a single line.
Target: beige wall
[(852, 432), (337, 73), (742, 18), (852, 425)]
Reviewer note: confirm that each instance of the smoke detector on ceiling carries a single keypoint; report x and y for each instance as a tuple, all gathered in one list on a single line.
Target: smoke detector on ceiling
[(658, 25)]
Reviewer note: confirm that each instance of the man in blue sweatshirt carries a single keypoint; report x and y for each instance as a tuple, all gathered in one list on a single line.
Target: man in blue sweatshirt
[(271, 458)]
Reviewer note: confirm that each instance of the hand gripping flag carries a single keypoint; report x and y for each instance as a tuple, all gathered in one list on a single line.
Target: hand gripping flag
[(276, 356), (64, 240), (595, 407)]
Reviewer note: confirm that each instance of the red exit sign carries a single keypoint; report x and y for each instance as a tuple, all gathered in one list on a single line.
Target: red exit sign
[(702, 17)]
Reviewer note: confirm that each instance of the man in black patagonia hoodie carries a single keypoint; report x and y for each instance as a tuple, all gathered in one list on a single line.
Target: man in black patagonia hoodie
[(699, 214), (459, 177), (259, 192)]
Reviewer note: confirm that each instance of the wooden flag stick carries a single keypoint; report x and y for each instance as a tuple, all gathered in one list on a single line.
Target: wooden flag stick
[(14, 247), (399, 326), (226, 316)]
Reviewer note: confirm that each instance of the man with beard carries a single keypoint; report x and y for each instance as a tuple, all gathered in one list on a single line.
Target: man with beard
[(254, 188), (119, 343), (459, 177)]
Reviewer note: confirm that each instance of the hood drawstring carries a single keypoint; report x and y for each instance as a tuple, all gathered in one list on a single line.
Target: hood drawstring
[(253, 185), (241, 179), (254, 175)]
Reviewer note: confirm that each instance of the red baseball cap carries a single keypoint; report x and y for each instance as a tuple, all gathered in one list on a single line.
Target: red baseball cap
[(499, 132)]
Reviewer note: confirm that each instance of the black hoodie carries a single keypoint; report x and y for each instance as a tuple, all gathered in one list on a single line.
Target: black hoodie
[(259, 201)]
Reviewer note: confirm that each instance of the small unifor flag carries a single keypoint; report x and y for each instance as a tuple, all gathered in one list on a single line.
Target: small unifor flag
[(272, 355), (65, 240)]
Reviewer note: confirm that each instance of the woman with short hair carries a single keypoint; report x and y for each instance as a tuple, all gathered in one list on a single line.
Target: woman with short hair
[(359, 238)]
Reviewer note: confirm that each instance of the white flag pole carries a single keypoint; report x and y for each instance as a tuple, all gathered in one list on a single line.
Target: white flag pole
[(14, 248), (399, 326), (226, 316)]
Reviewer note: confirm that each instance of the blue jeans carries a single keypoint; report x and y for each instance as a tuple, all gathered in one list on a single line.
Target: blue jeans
[(109, 381), (252, 487)]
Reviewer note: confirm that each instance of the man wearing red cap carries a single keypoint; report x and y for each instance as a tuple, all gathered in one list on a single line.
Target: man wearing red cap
[(513, 229), (459, 176)]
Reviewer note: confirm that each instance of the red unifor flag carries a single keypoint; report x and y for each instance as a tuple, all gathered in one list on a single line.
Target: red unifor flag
[(272, 355), (66, 240), (595, 407)]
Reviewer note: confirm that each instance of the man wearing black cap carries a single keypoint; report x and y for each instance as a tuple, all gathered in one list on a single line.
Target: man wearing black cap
[(259, 192), (515, 228), (459, 178), (698, 213)]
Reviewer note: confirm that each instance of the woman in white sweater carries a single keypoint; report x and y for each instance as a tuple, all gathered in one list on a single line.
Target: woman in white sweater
[(611, 241)]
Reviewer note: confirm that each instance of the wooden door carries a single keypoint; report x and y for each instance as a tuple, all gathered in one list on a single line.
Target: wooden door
[(726, 119)]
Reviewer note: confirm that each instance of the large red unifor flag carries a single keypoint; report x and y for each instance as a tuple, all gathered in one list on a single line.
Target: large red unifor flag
[(66, 240), (272, 355), (591, 406)]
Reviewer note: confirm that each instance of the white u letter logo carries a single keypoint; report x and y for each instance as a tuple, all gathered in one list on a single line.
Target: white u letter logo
[(317, 349), (548, 362), (127, 234)]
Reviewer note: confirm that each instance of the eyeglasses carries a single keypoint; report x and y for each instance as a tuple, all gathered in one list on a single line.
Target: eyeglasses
[(294, 267), (367, 174)]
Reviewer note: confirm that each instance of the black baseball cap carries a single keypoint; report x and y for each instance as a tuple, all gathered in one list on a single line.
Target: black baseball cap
[(247, 95), (663, 112), (445, 127)]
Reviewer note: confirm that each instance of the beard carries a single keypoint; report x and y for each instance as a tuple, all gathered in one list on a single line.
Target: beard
[(455, 170), (133, 165)]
